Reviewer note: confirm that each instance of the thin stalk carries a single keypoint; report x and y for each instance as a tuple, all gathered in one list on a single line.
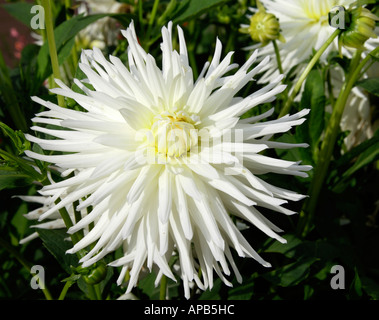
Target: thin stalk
[(327, 146), (277, 55), (67, 285), (163, 288), (97, 291), (150, 23), (92, 293), (308, 69), (74, 51), (191, 48), (52, 47), (140, 11)]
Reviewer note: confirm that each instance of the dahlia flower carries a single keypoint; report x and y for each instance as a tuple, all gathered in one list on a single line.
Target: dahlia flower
[(305, 27), (160, 161)]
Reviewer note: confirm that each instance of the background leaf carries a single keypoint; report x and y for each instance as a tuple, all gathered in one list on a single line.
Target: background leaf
[(20, 10), (370, 84), (55, 240), (190, 9), (64, 39), (314, 98)]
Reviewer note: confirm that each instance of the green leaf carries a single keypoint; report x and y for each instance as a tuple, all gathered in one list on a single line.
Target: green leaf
[(243, 291), (17, 137), (352, 161), (20, 11), (18, 164), (308, 292), (360, 3), (288, 249), (370, 287), (13, 178), (190, 9), (356, 285), (214, 293), (314, 98), (64, 39), (19, 222), (369, 155), (370, 84), (72, 278), (291, 274), (55, 241), (148, 287)]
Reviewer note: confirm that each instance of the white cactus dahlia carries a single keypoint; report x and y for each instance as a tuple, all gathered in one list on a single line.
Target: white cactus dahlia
[(162, 161)]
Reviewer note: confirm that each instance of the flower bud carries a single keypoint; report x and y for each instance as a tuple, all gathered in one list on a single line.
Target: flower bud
[(361, 28), (96, 274), (264, 27)]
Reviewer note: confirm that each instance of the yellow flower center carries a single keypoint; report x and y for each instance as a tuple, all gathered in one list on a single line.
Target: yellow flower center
[(174, 133)]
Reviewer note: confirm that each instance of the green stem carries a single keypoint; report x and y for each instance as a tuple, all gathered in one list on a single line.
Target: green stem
[(140, 12), (163, 288), (308, 69), (94, 292), (277, 55), (192, 46), (52, 47), (67, 285), (327, 146), (91, 292), (153, 13), (150, 24), (97, 291), (74, 51)]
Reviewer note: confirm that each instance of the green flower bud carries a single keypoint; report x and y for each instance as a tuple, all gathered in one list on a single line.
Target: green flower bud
[(264, 27), (361, 28), (96, 274)]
